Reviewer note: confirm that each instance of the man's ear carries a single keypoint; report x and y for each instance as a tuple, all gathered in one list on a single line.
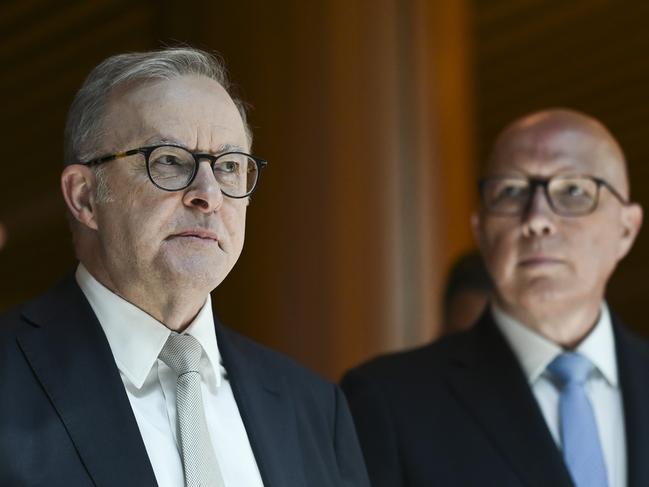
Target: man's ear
[(77, 185), (631, 224)]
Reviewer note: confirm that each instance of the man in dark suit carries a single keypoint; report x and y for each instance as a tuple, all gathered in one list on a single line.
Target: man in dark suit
[(119, 375), (549, 388)]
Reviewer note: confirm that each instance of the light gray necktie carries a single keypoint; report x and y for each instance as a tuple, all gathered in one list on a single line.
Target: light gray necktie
[(182, 353)]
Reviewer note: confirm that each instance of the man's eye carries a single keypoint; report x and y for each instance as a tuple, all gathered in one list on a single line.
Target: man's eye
[(512, 191), (167, 160), (228, 166), (574, 190)]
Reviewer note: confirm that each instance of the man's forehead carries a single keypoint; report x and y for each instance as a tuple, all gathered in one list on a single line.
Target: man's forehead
[(191, 111), (159, 139), (563, 148), (548, 149)]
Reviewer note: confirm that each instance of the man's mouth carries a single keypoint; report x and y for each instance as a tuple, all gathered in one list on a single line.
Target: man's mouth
[(538, 260), (198, 235)]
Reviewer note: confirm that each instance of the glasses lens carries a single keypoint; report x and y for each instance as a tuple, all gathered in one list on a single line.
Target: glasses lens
[(573, 195), (171, 167), (236, 173), (505, 196)]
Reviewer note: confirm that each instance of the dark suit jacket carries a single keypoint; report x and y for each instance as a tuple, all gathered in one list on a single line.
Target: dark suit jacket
[(459, 412), (65, 419)]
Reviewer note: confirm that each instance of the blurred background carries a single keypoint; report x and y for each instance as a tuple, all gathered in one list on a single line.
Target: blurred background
[(375, 116)]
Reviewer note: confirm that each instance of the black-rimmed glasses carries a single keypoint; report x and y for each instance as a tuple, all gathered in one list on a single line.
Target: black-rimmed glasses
[(173, 168), (566, 195)]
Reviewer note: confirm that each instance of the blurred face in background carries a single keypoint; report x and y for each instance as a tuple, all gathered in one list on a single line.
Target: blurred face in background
[(464, 309), (542, 263)]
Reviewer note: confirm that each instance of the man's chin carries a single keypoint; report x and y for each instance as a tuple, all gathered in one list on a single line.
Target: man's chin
[(196, 273), (544, 294)]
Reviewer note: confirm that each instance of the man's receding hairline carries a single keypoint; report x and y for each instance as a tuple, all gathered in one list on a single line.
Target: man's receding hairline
[(556, 121), (122, 71)]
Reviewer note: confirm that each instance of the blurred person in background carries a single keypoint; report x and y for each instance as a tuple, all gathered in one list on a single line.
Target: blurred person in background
[(549, 388), (120, 375), (466, 293)]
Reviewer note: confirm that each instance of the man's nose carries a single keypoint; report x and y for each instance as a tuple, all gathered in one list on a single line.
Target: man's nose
[(204, 193), (539, 219)]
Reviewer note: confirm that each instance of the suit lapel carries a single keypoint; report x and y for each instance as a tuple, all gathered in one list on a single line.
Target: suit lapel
[(633, 365), (486, 378), (267, 410), (71, 358)]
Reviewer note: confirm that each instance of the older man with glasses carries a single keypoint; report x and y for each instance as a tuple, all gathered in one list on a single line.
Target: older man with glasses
[(549, 388), (120, 375)]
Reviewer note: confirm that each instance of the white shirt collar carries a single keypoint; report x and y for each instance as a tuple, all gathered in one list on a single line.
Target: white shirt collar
[(136, 338), (535, 352)]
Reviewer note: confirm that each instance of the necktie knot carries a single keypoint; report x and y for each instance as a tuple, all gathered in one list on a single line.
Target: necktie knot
[(181, 353), (570, 368)]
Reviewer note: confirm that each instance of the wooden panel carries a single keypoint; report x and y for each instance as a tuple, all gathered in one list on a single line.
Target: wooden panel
[(350, 229)]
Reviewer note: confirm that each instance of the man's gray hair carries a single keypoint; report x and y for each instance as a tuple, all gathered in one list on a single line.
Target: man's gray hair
[(84, 125)]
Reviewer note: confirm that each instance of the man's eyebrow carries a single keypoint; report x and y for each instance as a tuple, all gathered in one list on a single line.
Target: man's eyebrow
[(230, 148), (156, 140)]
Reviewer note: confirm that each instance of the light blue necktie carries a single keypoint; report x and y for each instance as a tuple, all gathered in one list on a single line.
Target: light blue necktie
[(582, 451)]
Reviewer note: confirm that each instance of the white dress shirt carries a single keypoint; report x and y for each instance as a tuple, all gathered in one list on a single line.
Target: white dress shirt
[(534, 352), (136, 340)]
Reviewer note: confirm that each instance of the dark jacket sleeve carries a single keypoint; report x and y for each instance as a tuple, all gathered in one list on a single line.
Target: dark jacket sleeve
[(375, 427)]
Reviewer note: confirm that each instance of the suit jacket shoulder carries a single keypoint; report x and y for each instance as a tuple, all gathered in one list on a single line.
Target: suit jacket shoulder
[(65, 418), (633, 371), (458, 411), (407, 367), (293, 416)]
